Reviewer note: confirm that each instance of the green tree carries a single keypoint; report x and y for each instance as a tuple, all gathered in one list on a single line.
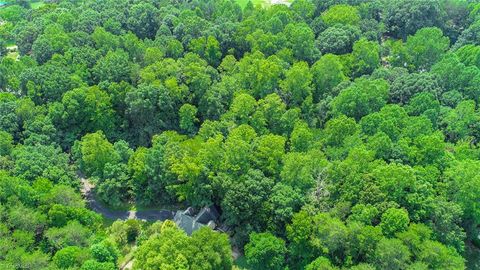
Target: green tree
[(113, 67), (403, 18), (337, 39), (327, 73), (69, 257), (297, 86), (320, 263), (341, 14), (391, 254), (366, 57), (6, 143), (426, 47), (143, 20), (170, 249), (265, 251), (84, 110), (361, 98), (301, 39), (394, 221), (188, 118), (95, 152)]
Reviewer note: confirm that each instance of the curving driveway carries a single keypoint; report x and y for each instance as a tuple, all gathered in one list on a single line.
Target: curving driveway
[(147, 215)]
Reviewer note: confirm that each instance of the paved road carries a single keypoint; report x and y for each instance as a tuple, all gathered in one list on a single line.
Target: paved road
[(148, 215)]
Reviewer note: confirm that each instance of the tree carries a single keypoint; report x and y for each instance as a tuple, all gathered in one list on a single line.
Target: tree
[(456, 78), (304, 8), (300, 170), (403, 18), (208, 48), (268, 153), (301, 39), (104, 251), (265, 251), (6, 143), (394, 221), (94, 265), (84, 110), (113, 67), (53, 40), (341, 14), (156, 101), (95, 153), (285, 201), (243, 204), (301, 137), (188, 119), (69, 257), (407, 86), (142, 20), (361, 98), (320, 263), (115, 188), (391, 254), (462, 121), (170, 249), (465, 183), (438, 256), (426, 47), (337, 39), (366, 57), (297, 86), (327, 73), (73, 234), (310, 236)]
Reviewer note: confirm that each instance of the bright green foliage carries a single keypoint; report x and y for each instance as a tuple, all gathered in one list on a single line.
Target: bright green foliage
[(394, 221), (391, 254), (6, 143), (96, 151), (361, 98), (327, 73), (265, 251), (69, 257), (188, 118), (301, 38), (85, 110), (173, 249), (321, 263), (341, 14), (366, 57), (426, 47), (297, 86)]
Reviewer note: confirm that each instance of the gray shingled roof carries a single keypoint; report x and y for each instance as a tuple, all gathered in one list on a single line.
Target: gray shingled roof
[(189, 223)]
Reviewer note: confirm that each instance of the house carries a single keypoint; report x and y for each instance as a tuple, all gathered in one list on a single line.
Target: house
[(190, 222)]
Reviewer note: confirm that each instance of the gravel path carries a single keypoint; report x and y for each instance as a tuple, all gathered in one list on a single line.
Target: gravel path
[(147, 215)]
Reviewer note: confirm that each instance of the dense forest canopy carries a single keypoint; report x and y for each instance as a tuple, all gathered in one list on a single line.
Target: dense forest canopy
[(329, 134)]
